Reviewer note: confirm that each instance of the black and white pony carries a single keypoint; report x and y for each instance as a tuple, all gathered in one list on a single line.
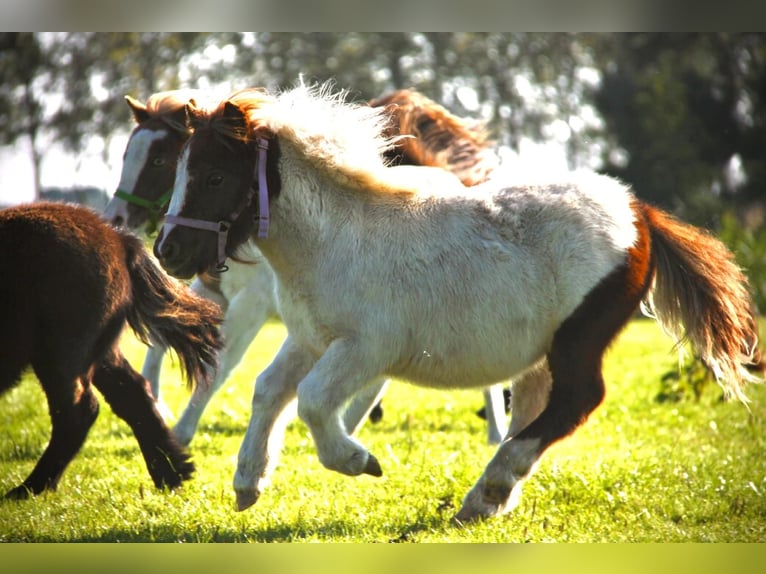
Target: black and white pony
[(403, 272)]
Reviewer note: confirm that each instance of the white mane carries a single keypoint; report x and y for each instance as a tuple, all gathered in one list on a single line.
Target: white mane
[(342, 138)]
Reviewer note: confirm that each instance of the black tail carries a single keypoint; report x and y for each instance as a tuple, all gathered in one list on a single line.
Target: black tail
[(176, 316)]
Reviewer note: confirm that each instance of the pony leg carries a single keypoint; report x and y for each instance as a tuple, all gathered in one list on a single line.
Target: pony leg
[(529, 397), (73, 408), (259, 453), (152, 367), (151, 372), (494, 405), (362, 404), (572, 399), (128, 395), (244, 318), (576, 389), (156, 352), (337, 375)]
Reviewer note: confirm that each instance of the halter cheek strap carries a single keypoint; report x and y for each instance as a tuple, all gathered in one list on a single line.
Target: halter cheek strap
[(222, 227), (263, 189)]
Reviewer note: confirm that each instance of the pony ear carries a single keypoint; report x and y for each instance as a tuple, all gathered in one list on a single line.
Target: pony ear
[(232, 113), (178, 119), (191, 114), (235, 119), (140, 114)]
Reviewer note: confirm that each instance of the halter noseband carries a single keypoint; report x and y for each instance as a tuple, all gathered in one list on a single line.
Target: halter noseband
[(155, 207), (222, 227)]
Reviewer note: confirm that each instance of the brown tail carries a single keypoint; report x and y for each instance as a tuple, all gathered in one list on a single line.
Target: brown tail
[(176, 316), (700, 294)]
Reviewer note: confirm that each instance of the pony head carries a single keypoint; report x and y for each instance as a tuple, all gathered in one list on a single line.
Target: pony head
[(217, 186), (149, 162)]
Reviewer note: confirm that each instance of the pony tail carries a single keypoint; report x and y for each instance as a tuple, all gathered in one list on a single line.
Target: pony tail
[(176, 316), (700, 294)]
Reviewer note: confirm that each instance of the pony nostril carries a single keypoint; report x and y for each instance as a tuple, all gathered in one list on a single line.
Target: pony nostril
[(166, 251), (118, 221)]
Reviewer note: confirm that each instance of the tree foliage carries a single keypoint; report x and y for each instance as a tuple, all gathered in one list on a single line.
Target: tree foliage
[(24, 71), (671, 114), (683, 110)]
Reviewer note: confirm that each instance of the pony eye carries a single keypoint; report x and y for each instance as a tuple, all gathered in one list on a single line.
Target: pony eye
[(215, 180), (158, 161)]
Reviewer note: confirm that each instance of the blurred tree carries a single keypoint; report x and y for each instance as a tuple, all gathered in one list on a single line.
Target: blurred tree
[(24, 73), (668, 113), (681, 111), (94, 71), (520, 83)]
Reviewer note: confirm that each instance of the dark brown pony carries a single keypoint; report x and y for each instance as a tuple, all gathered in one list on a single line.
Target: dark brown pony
[(72, 284)]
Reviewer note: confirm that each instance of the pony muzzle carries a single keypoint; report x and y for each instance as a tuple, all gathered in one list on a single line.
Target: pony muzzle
[(176, 252)]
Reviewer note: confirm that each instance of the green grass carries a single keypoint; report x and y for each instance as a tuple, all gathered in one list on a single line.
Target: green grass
[(639, 470)]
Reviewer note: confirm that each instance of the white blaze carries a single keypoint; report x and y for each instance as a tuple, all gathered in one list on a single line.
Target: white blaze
[(179, 192), (136, 156)]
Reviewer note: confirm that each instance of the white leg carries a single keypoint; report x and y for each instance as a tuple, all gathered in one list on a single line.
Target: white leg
[(529, 396), (151, 372), (494, 407), (274, 390), (498, 490), (152, 366), (361, 405), (156, 352), (337, 375), (246, 314)]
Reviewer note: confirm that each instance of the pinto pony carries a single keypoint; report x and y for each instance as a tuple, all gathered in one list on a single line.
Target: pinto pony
[(75, 283), (246, 290), (403, 272)]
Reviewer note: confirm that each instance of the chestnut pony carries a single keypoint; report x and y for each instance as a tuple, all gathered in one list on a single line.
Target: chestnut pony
[(75, 283), (246, 291), (403, 272)]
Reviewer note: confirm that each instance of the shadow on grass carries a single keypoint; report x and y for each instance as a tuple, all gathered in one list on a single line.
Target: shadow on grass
[(297, 532)]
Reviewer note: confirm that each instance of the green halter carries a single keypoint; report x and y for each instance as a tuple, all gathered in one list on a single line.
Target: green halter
[(156, 207)]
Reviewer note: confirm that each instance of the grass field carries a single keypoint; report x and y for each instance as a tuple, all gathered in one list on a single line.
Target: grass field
[(640, 470)]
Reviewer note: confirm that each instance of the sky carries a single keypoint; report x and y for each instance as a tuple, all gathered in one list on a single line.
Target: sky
[(60, 169)]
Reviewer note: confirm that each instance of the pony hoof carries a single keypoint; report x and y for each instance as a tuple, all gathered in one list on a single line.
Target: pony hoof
[(246, 498), (488, 500), (373, 467), (466, 516), (18, 493)]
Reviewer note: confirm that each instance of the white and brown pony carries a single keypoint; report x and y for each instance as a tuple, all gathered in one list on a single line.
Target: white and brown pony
[(246, 290), (403, 272)]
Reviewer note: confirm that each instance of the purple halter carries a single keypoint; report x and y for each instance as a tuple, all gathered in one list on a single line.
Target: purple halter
[(222, 227)]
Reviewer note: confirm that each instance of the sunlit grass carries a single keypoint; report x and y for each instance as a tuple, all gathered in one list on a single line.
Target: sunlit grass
[(639, 470)]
